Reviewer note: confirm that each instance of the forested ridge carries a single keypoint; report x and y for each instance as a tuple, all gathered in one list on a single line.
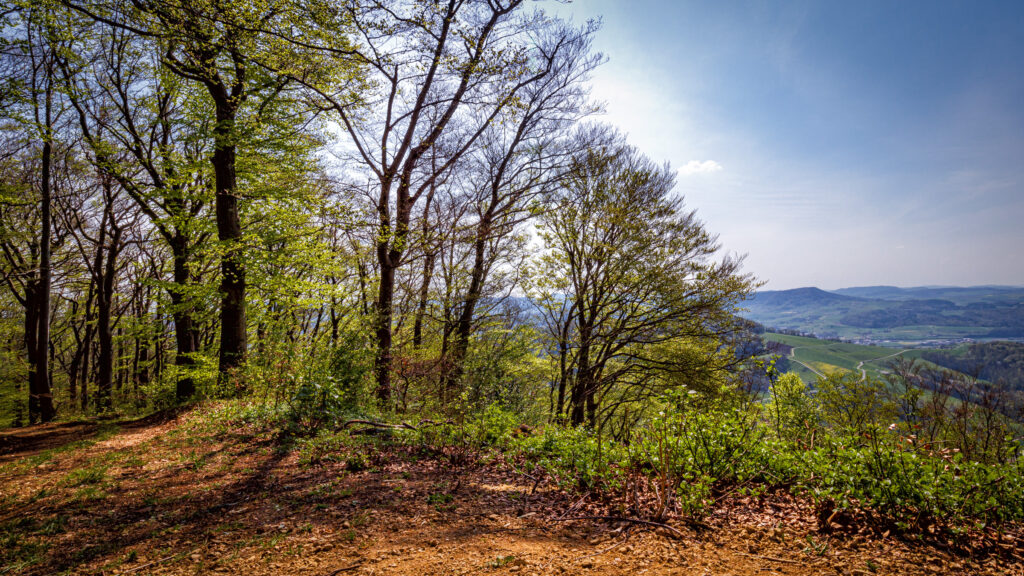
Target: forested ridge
[(1000, 362), (282, 251)]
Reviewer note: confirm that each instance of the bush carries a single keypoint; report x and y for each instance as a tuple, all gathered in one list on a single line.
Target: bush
[(574, 457), (914, 490)]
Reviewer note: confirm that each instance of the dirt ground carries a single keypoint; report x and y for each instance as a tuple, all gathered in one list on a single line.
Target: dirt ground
[(149, 498)]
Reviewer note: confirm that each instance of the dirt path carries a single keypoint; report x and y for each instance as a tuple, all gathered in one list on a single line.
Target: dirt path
[(792, 356), (154, 499), (864, 373)]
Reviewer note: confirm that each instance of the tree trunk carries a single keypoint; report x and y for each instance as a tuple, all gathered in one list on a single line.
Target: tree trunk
[(583, 381), (40, 399), (105, 335), (421, 307), (233, 341), (385, 296), (464, 326), (185, 335)]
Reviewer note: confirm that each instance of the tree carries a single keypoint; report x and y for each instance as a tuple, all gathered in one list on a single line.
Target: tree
[(212, 44), (440, 74), (521, 156), (33, 104), (153, 152), (628, 273)]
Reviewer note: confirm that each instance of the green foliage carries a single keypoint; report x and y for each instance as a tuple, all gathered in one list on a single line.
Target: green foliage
[(315, 403), (791, 409), (575, 458), (349, 370), (502, 367), (889, 477), (852, 405), (818, 445)]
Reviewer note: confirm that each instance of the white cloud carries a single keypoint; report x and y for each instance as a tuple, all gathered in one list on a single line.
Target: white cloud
[(700, 167)]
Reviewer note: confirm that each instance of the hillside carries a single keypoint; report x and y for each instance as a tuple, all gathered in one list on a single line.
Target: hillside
[(811, 357), (894, 316), (189, 498), (961, 296), (1001, 362)]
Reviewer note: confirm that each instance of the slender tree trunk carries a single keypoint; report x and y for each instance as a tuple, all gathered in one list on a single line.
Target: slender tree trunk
[(90, 329), (185, 335), (430, 255), (334, 322), (464, 326), (563, 374), (421, 306), (74, 368), (233, 340), (40, 403), (105, 335), (32, 343)]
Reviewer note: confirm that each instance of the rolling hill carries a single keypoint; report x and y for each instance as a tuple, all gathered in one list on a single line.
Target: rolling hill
[(894, 316)]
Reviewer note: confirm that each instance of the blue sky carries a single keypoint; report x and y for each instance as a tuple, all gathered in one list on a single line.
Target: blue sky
[(835, 143)]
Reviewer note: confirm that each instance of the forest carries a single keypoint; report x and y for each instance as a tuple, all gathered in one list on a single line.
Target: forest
[(377, 236), (993, 361)]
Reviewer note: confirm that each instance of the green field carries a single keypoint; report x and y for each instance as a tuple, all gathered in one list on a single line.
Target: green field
[(827, 356)]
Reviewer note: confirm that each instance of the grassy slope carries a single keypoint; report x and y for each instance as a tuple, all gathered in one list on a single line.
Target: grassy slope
[(828, 357)]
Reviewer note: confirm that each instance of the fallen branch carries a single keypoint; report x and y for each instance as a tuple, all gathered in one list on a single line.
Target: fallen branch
[(574, 506), (372, 424), (388, 426), (625, 519)]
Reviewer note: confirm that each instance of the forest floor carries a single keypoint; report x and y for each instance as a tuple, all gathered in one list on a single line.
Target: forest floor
[(157, 496)]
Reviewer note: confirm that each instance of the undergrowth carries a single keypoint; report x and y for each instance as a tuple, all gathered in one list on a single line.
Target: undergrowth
[(686, 459)]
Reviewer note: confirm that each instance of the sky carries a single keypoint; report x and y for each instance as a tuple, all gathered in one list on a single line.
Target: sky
[(835, 144)]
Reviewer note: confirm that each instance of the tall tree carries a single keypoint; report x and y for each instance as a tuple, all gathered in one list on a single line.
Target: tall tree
[(31, 103), (213, 44), (440, 74), (521, 155), (638, 270), (133, 116)]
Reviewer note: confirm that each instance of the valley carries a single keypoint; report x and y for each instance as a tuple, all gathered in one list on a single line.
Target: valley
[(927, 317)]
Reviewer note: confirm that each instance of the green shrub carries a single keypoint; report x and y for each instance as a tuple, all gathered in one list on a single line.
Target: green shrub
[(574, 457), (915, 490)]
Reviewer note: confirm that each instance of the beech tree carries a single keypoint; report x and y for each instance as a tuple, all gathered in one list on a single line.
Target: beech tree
[(153, 152), (520, 156), (627, 271), (32, 105), (211, 44), (438, 75)]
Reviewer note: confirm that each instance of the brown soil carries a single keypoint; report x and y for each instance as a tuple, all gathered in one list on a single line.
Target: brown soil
[(153, 499)]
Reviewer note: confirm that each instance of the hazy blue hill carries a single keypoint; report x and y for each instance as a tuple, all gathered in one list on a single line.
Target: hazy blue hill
[(958, 295), (895, 314), (799, 297)]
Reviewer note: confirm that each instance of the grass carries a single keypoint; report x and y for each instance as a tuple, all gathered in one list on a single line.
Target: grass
[(105, 431), (829, 357), (91, 475)]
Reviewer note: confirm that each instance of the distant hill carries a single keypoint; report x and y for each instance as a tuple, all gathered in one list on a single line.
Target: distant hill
[(958, 295), (889, 313), (994, 361), (800, 297)]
